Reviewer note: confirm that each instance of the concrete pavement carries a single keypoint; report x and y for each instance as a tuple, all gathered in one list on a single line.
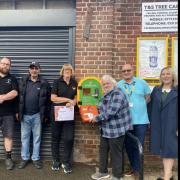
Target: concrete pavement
[(80, 172)]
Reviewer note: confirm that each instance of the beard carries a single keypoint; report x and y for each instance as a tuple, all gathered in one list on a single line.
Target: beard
[(34, 75), (4, 71)]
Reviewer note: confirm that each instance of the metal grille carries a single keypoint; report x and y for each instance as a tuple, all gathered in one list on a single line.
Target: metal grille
[(37, 4), (52, 47), (45, 150)]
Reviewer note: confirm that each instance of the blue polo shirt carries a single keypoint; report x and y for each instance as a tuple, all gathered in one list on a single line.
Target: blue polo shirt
[(135, 92)]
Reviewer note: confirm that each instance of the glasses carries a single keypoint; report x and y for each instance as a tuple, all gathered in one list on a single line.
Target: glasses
[(106, 83), (5, 64), (126, 70)]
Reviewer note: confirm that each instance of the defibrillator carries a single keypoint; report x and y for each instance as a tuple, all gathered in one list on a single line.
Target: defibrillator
[(89, 93)]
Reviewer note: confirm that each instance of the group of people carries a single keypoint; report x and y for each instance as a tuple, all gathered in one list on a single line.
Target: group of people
[(127, 106), (31, 101)]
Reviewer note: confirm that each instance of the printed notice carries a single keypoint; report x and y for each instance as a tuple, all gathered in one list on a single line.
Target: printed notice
[(63, 113), (151, 56), (160, 17)]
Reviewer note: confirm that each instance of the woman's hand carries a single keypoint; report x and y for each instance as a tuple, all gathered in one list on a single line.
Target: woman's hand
[(93, 119), (71, 102), (69, 105)]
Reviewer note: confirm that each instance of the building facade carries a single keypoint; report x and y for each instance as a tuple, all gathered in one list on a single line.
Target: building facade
[(96, 36)]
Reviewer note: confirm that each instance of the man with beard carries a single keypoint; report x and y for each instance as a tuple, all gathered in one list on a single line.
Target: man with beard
[(33, 105), (8, 94)]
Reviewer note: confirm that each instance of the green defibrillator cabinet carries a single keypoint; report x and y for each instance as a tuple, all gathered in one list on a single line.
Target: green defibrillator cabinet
[(89, 93)]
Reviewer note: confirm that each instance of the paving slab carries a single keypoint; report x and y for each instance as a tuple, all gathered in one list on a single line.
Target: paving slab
[(80, 172)]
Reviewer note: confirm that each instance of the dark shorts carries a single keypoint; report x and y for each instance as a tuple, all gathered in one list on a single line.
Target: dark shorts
[(7, 126)]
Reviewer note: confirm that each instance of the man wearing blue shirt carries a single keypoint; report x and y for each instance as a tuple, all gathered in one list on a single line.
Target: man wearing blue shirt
[(138, 94)]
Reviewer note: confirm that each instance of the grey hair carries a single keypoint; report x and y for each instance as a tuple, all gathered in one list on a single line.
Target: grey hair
[(110, 79)]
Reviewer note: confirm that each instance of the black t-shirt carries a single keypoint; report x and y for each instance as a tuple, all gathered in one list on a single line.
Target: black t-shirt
[(62, 89), (7, 84)]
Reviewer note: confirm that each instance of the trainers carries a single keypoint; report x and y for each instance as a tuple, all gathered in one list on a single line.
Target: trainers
[(37, 164), (66, 168), (115, 178), (129, 173), (23, 164), (55, 166), (98, 175), (171, 178), (9, 164)]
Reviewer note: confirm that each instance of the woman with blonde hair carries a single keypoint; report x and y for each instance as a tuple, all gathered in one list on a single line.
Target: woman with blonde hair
[(164, 121), (63, 93)]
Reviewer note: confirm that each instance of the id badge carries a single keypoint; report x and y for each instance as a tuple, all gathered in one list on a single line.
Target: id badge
[(130, 104)]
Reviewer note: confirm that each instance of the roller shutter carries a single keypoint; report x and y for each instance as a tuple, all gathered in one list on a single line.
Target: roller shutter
[(52, 47)]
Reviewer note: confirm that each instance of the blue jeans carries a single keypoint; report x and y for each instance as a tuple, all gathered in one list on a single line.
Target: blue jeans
[(31, 123), (139, 131)]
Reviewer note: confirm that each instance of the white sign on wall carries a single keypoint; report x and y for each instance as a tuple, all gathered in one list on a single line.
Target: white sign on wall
[(160, 17), (152, 56)]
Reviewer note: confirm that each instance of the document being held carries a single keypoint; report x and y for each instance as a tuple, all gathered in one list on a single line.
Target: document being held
[(63, 113)]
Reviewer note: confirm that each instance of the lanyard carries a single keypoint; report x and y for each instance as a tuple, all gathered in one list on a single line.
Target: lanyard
[(129, 91)]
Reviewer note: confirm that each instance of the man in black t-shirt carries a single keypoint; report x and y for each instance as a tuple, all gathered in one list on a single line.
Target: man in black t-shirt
[(8, 94)]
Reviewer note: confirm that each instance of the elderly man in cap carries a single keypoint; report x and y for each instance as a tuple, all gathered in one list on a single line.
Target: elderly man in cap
[(33, 104)]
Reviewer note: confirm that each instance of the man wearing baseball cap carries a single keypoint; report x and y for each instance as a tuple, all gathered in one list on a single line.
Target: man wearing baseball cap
[(34, 64), (33, 104)]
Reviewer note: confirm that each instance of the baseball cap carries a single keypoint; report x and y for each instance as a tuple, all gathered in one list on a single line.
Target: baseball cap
[(34, 63)]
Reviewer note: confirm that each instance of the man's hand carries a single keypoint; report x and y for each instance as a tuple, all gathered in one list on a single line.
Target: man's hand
[(1, 99), (17, 116), (8, 96)]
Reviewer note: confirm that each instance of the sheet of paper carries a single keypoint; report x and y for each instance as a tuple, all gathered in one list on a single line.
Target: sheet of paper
[(63, 113)]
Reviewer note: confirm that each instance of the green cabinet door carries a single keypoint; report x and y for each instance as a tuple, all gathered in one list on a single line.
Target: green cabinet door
[(89, 91)]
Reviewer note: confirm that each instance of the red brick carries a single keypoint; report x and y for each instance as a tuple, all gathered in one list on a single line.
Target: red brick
[(111, 44)]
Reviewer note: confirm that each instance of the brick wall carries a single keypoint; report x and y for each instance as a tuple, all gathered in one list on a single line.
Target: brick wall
[(115, 26), (94, 55)]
